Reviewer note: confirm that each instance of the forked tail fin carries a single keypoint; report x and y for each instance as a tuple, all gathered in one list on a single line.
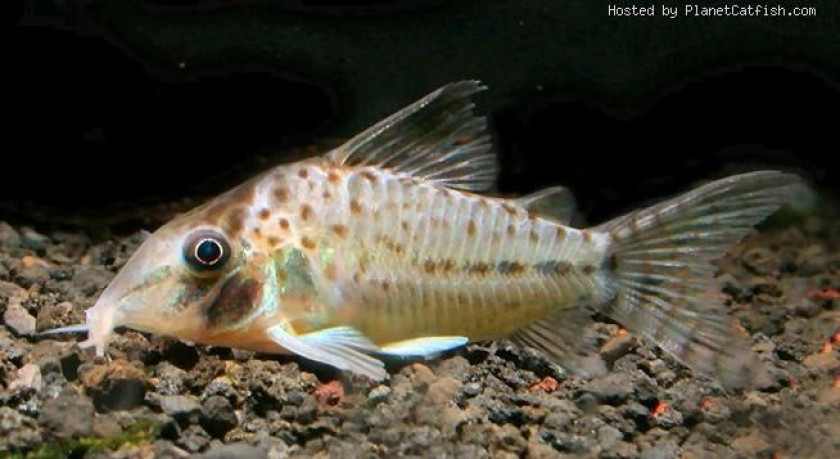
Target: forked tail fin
[(660, 260)]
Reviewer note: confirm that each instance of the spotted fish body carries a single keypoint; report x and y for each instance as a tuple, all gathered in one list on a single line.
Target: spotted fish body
[(396, 258), (383, 247)]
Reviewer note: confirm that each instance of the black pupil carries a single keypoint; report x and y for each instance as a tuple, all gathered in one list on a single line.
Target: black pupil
[(208, 251)]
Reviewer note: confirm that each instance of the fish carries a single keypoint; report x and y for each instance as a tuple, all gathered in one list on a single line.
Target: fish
[(386, 247)]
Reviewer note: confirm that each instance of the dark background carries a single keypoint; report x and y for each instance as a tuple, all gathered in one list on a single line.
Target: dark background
[(102, 116)]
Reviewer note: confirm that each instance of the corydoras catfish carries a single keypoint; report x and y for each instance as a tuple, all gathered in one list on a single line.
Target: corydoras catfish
[(382, 247)]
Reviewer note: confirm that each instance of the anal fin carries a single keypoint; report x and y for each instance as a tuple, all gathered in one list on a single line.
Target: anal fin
[(560, 336), (423, 347), (341, 347)]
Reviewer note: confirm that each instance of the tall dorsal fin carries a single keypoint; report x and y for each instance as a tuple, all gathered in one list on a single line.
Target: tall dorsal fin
[(437, 138), (556, 202)]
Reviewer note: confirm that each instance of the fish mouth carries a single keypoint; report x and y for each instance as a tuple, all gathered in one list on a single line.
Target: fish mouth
[(134, 307), (98, 326)]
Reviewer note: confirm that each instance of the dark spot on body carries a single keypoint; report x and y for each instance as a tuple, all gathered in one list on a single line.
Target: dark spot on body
[(303, 173), (511, 230), (370, 176), (509, 208), (236, 300), (235, 221), (355, 207), (242, 194), (386, 285), (471, 228), (561, 233), (404, 225), (329, 272), (588, 269), (306, 212), (612, 263), (284, 223), (447, 265), (480, 268), (511, 268), (340, 230), (273, 241), (326, 195), (307, 242), (281, 194), (429, 266), (534, 236), (264, 214), (334, 178), (552, 267), (587, 236)]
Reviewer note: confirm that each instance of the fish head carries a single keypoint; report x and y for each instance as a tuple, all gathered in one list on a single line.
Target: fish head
[(168, 284)]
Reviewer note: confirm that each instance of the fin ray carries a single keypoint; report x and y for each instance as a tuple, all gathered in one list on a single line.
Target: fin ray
[(341, 347), (559, 337), (662, 263), (557, 203), (423, 347), (437, 138)]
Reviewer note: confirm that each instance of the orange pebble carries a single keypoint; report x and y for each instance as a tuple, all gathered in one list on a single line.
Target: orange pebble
[(660, 409)]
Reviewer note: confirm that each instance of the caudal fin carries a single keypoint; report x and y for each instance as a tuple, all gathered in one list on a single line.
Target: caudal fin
[(661, 262)]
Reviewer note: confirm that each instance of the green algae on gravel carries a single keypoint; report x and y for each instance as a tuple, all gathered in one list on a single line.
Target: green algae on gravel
[(137, 433)]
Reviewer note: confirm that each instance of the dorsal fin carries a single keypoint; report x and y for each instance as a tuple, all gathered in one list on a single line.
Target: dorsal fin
[(437, 138), (556, 202)]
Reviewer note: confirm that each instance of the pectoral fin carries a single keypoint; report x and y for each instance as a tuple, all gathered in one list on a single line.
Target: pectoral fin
[(341, 347), (423, 347)]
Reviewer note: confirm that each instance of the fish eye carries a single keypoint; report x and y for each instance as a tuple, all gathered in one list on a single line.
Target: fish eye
[(206, 250)]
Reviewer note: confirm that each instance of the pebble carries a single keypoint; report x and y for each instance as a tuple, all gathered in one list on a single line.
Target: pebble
[(617, 347), (33, 240), (27, 377), (17, 431), (9, 237), (472, 389), (751, 445), (194, 439), (760, 261), (442, 390), (379, 394), (421, 375), (11, 290), (180, 407), (17, 318), (235, 450), (169, 379), (70, 415), (330, 393), (662, 450), (608, 437), (115, 385), (812, 260), (563, 415), (822, 361), (55, 315), (613, 388), (217, 416)]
